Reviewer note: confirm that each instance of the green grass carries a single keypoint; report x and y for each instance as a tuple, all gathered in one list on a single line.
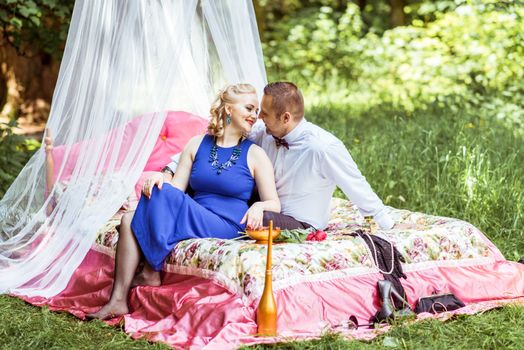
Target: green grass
[(23, 326), (500, 329), (461, 164)]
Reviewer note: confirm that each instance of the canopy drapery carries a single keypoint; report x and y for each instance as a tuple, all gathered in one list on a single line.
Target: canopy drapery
[(124, 61)]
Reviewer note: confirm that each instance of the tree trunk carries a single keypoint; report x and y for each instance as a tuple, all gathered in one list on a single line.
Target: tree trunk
[(260, 14), (398, 17), (27, 86), (11, 99)]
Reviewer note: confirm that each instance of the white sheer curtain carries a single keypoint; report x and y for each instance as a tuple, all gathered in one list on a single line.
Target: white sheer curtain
[(124, 61)]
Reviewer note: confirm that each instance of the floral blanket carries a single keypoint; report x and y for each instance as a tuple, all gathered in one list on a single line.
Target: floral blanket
[(239, 265)]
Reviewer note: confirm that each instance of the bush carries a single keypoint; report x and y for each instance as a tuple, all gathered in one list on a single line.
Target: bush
[(32, 27), (15, 151), (470, 56)]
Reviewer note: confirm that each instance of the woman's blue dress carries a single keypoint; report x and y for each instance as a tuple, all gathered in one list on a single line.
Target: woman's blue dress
[(218, 205)]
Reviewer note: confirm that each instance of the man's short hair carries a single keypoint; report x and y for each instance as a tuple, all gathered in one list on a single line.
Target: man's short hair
[(286, 97)]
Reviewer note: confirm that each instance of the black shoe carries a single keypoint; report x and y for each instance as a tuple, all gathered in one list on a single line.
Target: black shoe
[(388, 312)]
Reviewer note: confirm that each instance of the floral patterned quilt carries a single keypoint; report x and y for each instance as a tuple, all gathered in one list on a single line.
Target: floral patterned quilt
[(239, 265)]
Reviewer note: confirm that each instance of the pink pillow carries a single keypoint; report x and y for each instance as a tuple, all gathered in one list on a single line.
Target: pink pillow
[(179, 127)]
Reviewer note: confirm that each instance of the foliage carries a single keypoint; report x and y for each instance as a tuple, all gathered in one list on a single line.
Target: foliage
[(36, 26), (471, 55), (376, 14), (294, 236), (15, 151)]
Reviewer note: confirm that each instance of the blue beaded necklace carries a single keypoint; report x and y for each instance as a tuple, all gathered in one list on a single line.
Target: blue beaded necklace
[(213, 158)]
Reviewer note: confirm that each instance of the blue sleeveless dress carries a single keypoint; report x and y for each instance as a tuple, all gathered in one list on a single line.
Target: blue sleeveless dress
[(218, 205)]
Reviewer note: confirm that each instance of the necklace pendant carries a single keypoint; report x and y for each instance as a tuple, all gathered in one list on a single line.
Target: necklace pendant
[(215, 163)]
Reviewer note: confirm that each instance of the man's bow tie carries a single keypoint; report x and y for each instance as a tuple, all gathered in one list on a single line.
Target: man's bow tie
[(281, 142)]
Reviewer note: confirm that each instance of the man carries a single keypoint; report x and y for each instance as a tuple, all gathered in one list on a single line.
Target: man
[(309, 163)]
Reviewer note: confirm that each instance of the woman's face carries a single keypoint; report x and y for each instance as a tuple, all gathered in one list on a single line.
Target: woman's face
[(244, 112)]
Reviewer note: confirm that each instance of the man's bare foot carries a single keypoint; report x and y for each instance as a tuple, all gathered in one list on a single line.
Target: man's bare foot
[(146, 279), (110, 310)]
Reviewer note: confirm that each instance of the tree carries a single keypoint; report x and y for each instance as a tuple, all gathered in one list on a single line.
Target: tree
[(32, 36), (398, 17)]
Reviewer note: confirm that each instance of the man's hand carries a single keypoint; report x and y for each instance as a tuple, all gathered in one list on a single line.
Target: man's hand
[(254, 216), (155, 179)]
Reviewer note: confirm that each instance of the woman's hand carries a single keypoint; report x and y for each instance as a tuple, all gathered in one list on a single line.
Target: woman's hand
[(254, 216), (155, 179)]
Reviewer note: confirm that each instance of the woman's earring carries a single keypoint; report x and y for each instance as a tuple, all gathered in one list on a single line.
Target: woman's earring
[(228, 119)]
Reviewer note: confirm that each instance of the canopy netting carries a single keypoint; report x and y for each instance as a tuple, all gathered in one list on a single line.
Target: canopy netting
[(124, 61)]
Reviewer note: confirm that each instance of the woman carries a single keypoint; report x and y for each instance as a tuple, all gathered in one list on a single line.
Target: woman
[(222, 167)]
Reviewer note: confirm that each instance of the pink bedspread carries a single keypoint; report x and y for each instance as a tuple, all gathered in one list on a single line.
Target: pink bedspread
[(189, 311), (317, 285)]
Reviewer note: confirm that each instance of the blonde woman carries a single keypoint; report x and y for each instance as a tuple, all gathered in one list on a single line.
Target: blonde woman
[(222, 167)]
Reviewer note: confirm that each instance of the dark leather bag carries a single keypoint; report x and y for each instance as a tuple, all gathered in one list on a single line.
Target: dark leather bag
[(438, 303)]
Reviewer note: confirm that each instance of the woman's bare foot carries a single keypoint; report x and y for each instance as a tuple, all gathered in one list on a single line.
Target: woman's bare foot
[(110, 310), (146, 279)]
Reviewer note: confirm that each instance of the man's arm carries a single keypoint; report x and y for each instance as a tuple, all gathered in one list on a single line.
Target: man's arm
[(338, 165), (169, 170), (167, 173)]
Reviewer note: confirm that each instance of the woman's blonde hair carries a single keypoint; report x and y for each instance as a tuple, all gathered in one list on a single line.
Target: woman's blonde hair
[(218, 109)]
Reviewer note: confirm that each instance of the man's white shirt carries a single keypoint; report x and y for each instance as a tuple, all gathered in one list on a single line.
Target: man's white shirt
[(307, 173)]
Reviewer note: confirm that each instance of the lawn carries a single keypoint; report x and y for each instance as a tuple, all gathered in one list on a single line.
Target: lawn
[(460, 164)]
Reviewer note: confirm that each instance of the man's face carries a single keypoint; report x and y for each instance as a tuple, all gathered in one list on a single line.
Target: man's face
[(274, 125)]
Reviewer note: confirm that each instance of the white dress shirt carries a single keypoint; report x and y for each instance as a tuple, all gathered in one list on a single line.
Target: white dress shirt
[(307, 173), (175, 159)]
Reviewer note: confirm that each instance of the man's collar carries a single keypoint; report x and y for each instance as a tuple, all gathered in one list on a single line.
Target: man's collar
[(294, 134)]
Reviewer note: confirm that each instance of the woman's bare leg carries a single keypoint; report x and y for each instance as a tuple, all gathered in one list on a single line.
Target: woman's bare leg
[(147, 277), (126, 262)]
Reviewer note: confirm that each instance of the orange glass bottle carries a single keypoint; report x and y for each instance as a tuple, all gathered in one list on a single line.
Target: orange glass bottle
[(267, 307)]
